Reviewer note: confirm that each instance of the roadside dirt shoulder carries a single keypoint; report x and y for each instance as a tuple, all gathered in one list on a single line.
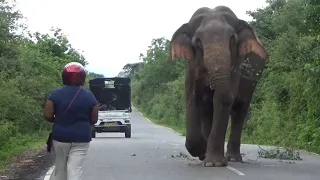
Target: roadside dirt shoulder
[(30, 165)]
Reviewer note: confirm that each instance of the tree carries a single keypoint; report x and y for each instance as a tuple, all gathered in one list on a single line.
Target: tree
[(30, 68), (130, 69)]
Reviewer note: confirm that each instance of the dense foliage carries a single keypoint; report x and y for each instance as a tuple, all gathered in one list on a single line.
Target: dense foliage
[(285, 108), (30, 67)]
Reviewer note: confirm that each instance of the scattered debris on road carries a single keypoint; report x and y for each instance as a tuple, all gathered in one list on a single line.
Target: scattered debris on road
[(182, 155), (279, 153)]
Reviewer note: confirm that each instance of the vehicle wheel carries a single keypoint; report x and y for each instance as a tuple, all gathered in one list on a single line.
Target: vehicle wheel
[(93, 133), (127, 133)]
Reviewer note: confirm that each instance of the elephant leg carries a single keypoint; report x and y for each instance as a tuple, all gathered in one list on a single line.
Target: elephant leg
[(195, 142), (206, 124), (207, 113), (238, 116), (222, 101), (206, 119)]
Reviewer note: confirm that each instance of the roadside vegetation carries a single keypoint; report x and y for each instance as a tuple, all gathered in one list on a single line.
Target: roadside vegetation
[(285, 108), (30, 68)]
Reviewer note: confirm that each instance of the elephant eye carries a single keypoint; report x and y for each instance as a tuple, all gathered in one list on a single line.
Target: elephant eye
[(199, 43), (233, 45), (232, 39)]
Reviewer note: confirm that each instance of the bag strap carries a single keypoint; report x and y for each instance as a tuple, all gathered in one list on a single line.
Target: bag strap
[(71, 101)]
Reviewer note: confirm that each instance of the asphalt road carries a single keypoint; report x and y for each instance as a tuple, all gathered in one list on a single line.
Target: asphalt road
[(158, 153)]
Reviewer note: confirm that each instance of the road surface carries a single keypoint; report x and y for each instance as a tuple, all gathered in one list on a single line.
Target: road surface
[(158, 153)]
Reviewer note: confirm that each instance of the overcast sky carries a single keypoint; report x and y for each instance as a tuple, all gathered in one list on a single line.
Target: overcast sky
[(114, 33)]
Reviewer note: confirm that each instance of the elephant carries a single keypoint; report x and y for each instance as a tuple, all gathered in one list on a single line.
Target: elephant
[(224, 60)]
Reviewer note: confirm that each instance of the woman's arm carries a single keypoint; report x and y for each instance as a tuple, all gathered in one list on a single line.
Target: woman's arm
[(94, 114), (48, 112)]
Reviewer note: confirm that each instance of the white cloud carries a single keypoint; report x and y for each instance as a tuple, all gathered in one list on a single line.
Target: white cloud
[(113, 33)]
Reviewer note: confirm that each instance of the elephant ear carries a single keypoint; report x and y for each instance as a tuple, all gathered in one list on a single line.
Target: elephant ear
[(249, 41), (252, 50), (180, 45)]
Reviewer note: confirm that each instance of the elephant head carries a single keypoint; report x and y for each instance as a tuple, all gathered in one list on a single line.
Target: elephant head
[(217, 45)]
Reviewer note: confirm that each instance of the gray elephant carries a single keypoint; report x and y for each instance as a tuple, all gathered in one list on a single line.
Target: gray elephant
[(224, 61)]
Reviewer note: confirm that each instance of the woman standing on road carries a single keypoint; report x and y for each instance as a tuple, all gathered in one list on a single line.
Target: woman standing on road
[(72, 110)]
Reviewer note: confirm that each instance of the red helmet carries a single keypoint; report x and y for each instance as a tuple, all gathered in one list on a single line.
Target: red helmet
[(73, 74)]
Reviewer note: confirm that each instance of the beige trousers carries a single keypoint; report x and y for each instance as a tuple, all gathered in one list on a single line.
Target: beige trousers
[(69, 158)]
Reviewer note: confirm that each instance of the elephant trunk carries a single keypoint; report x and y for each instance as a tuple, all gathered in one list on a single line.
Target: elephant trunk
[(217, 62)]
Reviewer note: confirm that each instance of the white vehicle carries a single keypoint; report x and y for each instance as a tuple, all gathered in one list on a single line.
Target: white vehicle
[(113, 121), (115, 109)]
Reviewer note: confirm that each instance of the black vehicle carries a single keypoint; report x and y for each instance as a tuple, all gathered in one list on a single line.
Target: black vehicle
[(114, 97)]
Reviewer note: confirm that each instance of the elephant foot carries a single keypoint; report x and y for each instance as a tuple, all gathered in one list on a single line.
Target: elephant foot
[(215, 160), (202, 157), (234, 157), (196, 148)]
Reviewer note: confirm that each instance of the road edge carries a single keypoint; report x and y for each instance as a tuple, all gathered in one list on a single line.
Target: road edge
[(48, 174), (156, 123)]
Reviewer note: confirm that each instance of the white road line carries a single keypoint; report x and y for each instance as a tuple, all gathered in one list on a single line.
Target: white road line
[(48, 174), (235, 171), (148, 119)]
